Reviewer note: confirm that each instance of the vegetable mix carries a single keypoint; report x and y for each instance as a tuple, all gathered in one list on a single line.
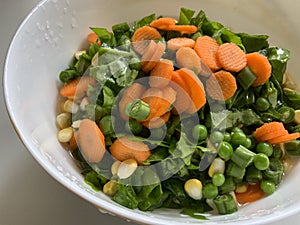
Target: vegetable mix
[(180, 113)]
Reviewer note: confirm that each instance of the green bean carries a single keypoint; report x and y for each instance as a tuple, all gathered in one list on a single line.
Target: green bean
[(261, 161), (268, 187), (292, 147), (253, 175), (277, 152), (138, 110), (67, 75), (275, 171), (225, 204), (234, 170), (287, 114), (246, 78), (210, 191), (265, 148), (242, 156), (227, 186)]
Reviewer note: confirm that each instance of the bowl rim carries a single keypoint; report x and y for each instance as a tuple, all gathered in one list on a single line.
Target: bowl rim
[(102, 206)]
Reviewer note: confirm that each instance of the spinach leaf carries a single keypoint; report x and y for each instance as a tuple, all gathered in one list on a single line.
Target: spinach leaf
[(254, 43), (95, 180), (228, 36), (120, 29), (292, 99), (144, 21), (194, 213), (126, 196), (158, 154), (198, 19), (185, 16), (104, 36)]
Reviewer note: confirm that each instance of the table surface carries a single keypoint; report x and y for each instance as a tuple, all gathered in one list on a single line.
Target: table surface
[(28, 195)]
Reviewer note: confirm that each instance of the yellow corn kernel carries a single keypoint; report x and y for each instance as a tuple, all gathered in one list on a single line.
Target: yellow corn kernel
[(241, 188), (70, 106), (95, 60), (193, 187), (65, 135), (110, 188), (114, 167), (63, 120), (127, 168), (217, 166)]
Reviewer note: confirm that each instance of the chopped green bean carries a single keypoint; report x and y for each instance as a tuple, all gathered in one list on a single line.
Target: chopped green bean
[(138, 110), (225, 204), (287, 114), (253, 175), (246, 78), (234, 170), (275, 171), (292, 147), (242, 156)]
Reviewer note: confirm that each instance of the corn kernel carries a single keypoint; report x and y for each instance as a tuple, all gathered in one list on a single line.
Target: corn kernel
[(65, 135), (193, 187), (114, 167), (71, 107), (110, 188), (127, 168), (217, 166), (63, 120)]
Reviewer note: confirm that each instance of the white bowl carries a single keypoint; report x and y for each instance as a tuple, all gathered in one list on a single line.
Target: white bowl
[(55, 29)]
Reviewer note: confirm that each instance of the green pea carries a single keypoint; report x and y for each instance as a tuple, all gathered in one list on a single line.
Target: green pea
[(262, 104), (216, 137), (238, 138), (218, 179), (265, 148), (225, 150), (247, 143), (210, 191), (199, 132), (227, 137), (267, 187), (261, 161)]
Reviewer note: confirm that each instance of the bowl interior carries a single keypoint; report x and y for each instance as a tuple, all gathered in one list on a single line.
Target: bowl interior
[(54, 30)]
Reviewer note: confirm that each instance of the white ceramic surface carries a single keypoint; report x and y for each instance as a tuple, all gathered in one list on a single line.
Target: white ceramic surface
[(54, 30)]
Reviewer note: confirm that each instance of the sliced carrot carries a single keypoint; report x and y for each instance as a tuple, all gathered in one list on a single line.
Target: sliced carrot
[(168, 98), (140, 38), (161, 74), (77, 86), (157, 122), (163, 23), (271, 135), (195, 89), (93, 38), (221, 85), (284, 138), (73, 142), (206, 47), (268, 128), (183, 100), (252, 194), (231, 57), (183, 29), (152, 56), (123, 148), (131, 93), (176, 43), (187, 58), (260, 66), (91, 141)]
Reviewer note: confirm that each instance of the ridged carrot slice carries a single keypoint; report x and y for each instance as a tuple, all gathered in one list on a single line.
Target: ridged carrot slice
[(260, 66), (231, 57), (163, 23), (161, 74), (152, 56), (77, 86), (91, 141), (124, 148), (157, 122), (221, 85), (284, 138), (206, 47), (183, 29), (187, 58), (271, 135), (140, 38), (268, 128), (93, 38), (176, 43)]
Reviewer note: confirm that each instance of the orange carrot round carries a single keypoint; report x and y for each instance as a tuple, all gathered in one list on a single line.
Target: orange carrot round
[(93, 38), (73, 142), (284, 138), (140, 38), (161, 74), (206, 47), (260, 66), (91, 141), (77, 86), (271, 135), (187, 58), (252, 194), (268, 128), (157, 122), (131, 93), (231, 57), (176, 43), (194, 87), (183, 29), (123, 148), (163, 23), (221, 85), (152, 56)]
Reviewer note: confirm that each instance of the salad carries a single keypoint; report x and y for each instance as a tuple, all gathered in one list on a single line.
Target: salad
[(180, 113)]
